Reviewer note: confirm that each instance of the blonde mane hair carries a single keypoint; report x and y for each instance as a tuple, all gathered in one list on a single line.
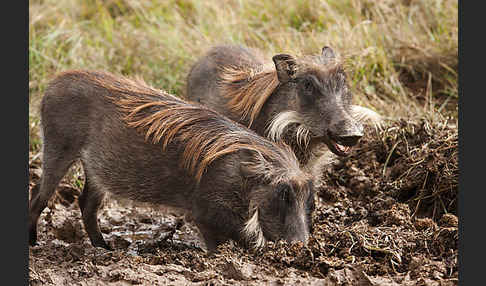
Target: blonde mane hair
[(204, 134), (201, 131), (248, 88)]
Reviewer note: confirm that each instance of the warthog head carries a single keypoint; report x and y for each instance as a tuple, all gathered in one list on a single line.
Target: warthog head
[(321, 99), (281, 208)]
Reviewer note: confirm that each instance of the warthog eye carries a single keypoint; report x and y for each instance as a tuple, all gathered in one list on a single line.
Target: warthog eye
[(285, 198), (308, 86), (285, 194)]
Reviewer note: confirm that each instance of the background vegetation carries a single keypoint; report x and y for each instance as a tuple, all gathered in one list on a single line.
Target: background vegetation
[(401, 56)]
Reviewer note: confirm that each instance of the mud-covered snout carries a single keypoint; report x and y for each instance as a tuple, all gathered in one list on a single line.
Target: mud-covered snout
[(285, 216), (296, 228), (300, 236), (343, 135)]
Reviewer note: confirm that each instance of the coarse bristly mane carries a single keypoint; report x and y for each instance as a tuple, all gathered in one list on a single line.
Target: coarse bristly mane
[(248, 88), (204, 134)]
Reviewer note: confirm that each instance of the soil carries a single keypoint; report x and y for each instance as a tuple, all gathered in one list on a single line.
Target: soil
[(385, 215)]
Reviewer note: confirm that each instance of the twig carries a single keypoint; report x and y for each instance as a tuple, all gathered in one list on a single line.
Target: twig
[(389, 156)]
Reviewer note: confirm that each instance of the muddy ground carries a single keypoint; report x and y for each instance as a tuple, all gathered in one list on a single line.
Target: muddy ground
[(386, 215)]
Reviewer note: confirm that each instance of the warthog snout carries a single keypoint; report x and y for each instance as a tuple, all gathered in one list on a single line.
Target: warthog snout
[(344, 135), (302, 237), (349, 138)]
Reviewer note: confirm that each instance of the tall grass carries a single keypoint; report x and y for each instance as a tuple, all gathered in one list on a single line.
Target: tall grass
[(401, 56)]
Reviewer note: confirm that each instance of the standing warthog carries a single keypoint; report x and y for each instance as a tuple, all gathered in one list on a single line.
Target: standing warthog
[(303, 101), (143, 144)]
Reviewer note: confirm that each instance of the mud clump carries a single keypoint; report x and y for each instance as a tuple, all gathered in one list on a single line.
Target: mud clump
[(385, 215), (449, 220), (422, 224)]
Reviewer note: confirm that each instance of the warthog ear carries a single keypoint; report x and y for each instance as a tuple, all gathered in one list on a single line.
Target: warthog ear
[(327, 53), (286, 66), (247, 170), (253, 165), (248, 167)]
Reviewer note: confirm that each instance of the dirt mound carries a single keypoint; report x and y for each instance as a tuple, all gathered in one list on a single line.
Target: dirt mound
[(385, 215), (405, 162)]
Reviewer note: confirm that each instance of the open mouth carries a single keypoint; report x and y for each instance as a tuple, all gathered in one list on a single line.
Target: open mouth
[(336, 147), (341, 149)]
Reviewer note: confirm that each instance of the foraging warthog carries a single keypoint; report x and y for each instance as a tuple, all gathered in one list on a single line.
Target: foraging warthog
[(301, 100), (141, 143)]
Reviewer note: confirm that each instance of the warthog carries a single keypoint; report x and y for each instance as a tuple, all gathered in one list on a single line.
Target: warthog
[(144, 144), (305, 101)]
